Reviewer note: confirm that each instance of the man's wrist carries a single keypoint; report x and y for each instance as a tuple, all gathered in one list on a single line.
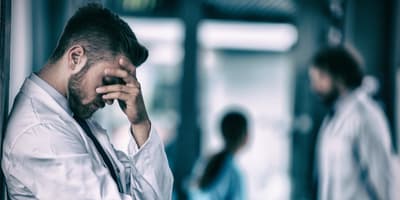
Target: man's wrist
[(141, 131)]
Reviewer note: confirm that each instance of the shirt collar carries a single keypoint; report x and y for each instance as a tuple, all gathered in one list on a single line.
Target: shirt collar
[(58, 97), (346, 99)]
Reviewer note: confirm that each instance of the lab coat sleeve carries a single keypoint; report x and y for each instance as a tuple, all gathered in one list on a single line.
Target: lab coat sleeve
[(372, 150), (49, 162), (147, 169)]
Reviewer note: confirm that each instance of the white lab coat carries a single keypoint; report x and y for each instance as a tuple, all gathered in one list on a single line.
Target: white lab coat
[(354, 151), (47, 155)]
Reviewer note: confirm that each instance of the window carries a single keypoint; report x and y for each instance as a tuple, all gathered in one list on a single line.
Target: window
[(246, 65)]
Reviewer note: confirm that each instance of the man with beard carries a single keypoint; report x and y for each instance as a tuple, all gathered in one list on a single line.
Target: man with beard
[(54, 150), (353, 151)]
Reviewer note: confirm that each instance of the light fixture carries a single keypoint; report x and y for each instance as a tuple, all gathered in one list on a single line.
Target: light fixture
[(278, 37)]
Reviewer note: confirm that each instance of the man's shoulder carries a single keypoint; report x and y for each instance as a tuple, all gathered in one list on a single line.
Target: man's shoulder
[(28, 112), (368, 109), (43, 139), (366, 114), (31, 121), (33, 104)]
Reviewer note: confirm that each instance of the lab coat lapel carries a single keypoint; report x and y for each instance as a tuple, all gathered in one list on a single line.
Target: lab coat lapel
[(102, 137)]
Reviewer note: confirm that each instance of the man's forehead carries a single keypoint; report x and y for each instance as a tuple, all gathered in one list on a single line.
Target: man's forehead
[(112, 62), (117, 62), (314, 70), (319, 70), (109, 63)]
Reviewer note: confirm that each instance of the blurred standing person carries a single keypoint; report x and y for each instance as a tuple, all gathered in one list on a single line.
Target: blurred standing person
[(353, 151), (221, 178)]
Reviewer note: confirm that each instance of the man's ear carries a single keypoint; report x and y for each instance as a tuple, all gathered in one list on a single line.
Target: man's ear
[(76, 58)]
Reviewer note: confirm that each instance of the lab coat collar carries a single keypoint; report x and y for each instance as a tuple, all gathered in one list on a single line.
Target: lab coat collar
[(346, 100), (34, 88)]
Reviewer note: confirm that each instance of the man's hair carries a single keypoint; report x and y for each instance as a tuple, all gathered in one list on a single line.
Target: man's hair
[(341, 62), (102, 34)]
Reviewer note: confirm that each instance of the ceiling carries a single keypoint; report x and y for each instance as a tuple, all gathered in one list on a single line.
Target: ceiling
[(278, 9)]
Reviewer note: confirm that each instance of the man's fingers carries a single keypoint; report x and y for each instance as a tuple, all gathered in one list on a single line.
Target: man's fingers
[(128, 66), (126, 92), (116, 95), (119, 73), (129, 88), (110, 88)]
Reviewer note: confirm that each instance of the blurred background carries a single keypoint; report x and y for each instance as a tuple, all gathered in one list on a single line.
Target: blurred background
[(209, 56)]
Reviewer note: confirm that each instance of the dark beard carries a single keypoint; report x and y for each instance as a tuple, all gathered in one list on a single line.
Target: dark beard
[(330, 98), (75, 95)]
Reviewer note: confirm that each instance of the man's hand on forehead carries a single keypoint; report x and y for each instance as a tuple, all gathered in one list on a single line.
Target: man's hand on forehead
[(127, 65), (126, 72), (121, 84), (129, 96)]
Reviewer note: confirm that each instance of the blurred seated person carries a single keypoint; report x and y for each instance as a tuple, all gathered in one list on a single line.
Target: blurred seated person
[(221, 179)]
